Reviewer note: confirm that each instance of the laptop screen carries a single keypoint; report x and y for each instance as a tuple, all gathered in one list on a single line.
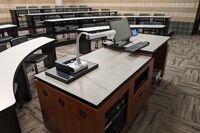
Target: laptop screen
[(122, 28)]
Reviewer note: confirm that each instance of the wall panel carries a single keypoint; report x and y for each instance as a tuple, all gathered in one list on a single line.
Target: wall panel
[(5, 5), (178, 9)]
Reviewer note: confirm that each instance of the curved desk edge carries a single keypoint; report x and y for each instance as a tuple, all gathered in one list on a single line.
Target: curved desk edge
[(11, 59)]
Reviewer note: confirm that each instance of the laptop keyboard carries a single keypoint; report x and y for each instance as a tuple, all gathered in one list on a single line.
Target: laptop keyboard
[(136, 46)]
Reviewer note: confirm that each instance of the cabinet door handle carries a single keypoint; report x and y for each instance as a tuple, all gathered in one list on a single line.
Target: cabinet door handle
[(82, 114), (140, 95), (44, 92), (61, 102)]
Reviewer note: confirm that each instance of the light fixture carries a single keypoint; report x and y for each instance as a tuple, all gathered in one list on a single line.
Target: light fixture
[(79, 64)]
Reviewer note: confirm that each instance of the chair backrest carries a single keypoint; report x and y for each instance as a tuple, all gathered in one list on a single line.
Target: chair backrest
[(82, 5), (32, 7), (18, 40), (118, 14), (130, 20), (95, 9), (68, 16), (144, 20), (67, 10), (95, 13), (32, 11), (21, 11), (105, 13), (105, 9), (20, 7), (159, 20), (2, 48), (82, 9), (46, 9), (59, 8), (128, 14), (73, 6)]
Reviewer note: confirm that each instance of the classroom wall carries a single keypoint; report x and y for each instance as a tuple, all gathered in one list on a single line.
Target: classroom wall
[(5, 5), (183, 12)]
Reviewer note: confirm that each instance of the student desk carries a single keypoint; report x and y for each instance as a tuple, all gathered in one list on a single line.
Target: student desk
[(12, 70), (106, 99), (31, 23), (158, 28), (15, 16), (50, 24)]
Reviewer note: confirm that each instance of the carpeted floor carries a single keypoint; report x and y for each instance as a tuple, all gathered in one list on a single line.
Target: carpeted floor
[(174, 106)]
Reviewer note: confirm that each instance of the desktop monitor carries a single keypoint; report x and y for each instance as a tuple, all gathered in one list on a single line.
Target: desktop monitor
[(134, 32), (122, 28)]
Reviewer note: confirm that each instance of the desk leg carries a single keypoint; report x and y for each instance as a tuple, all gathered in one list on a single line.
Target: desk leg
[(50, 30), (167, 22), (8, 121), (49, 50), (23, 93), (160, 58), (31, 24), (14, 17)]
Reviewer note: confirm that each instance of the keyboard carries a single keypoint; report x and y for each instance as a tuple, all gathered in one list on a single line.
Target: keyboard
[(136, 46), (122, 44)]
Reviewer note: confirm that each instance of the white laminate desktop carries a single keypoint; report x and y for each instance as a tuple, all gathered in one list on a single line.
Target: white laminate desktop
[(10, 60), (6, 26), (115, 67), (104, 17), (99, 28), (77, 12), (155, 41)]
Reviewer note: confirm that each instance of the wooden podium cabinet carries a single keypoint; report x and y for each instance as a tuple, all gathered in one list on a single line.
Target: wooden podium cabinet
[(65, 113)]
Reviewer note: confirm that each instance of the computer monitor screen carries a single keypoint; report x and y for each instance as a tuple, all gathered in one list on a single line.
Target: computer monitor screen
[(122, 29), (134, 32)]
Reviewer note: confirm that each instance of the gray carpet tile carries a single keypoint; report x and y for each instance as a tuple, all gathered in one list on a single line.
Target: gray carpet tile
[(174, 104)]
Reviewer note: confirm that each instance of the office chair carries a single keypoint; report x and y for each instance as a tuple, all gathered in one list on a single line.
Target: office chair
[(159, 20), (21, 13), (73, 8), (2, 47), (4, 39), (32, 7), (67, 10), (82, 8), (130, 20), (145, 21), (59, 8), (70, 26), (46, 9), (102, 22), (89, 22), (37, 19), (95, 13), (33, 58), (105, 13), (82, 5), (118, 14)]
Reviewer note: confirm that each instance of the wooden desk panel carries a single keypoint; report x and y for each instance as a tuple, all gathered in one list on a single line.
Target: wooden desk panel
[(80, 117)]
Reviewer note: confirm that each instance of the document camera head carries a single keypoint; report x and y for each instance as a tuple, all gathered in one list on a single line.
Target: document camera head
[(110, 34)]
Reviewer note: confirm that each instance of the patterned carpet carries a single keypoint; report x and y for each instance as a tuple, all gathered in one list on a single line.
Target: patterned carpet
[(174, 106)]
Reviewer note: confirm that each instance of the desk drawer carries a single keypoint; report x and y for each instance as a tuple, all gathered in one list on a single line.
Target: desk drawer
[(140, 91)]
